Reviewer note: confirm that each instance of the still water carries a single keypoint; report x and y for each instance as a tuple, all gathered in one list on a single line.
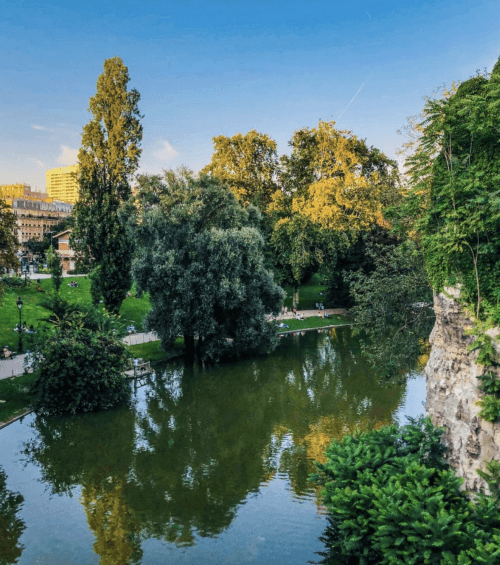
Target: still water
[(209, 466)]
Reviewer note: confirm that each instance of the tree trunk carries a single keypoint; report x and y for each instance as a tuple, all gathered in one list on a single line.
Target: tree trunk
[(296, 295), (189, 349), (199, 346)]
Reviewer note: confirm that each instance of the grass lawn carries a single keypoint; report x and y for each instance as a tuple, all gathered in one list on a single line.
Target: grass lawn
[(151, 351), (15, 396), (309, 294), (314, 322), (132, 310)]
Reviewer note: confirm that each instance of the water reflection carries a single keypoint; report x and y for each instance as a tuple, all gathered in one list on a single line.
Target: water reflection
[(11, 526), (199, 441)]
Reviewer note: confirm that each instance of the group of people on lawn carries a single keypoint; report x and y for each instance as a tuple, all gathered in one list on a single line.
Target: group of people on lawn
[(24, 328)]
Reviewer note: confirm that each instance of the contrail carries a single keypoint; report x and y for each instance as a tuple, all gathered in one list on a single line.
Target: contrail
[(353, 98), (368, 15)]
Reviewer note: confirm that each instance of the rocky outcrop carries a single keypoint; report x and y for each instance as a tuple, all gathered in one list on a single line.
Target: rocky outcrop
[(452, 391)]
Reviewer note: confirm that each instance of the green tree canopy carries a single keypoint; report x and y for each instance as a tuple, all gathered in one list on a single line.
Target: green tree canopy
[(8, 241), (107, 160), (248, 164), (454, 177), (80, 362), (201, 260)]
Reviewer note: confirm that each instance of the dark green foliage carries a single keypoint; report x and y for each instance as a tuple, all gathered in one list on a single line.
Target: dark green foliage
[(201, 260), (15, 281), (393, 306), (392, 499), (108, 158), (492, 478), (11, 526), (55, 268), (455, 176), (356, 257), (489, 383), (80, 363)]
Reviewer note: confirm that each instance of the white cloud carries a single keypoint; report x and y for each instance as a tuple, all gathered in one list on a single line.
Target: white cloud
[(41, 164), (166, 151), (68, 156), (41, 128)]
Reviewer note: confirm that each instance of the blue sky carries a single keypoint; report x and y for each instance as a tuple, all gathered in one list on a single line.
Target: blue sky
[(218, 68)]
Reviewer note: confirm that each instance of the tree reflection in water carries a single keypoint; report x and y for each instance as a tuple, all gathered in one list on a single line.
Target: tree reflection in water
[(186, 457), (11, 527)]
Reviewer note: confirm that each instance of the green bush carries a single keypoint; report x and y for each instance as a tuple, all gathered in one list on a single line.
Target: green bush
[(15, 282), (392, 499), (80, 362)]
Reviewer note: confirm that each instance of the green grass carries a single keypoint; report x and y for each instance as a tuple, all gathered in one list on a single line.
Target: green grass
[(16, 396), (132, 311), (314, 322), (309, 294), (151, 351)]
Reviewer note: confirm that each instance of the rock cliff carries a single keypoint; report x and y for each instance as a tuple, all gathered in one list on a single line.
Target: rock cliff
[(452, 391)]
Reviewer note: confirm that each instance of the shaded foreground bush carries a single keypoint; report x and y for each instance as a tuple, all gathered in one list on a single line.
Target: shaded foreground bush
[(80, 363), (393, 499)]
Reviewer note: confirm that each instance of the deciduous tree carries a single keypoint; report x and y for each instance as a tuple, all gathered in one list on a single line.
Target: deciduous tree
[(248, 164), (8, 241), (201, 260), (454, 190), (107, 160), (55, 268)]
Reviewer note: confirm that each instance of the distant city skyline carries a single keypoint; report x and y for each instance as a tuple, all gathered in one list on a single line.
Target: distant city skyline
[(218, 68)]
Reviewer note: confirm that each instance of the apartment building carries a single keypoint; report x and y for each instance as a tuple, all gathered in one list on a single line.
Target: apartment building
[(36, 217), (62, 183)]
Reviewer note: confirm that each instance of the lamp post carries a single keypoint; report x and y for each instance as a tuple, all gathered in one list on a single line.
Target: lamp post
[(20, 306)]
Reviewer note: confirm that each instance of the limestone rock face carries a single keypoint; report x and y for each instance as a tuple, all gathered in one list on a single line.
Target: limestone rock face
[(452, 392)]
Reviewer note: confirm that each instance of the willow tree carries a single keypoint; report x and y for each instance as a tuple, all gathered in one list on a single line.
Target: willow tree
[(201, 259), (108, 158)]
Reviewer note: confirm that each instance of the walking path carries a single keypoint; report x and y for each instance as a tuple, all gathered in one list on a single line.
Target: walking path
[(15, 367)]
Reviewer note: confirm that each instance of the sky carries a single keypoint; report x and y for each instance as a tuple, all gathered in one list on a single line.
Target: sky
[(207, 68)]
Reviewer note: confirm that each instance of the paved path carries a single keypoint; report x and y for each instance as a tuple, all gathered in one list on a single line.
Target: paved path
[(14, 367), (134, 339)]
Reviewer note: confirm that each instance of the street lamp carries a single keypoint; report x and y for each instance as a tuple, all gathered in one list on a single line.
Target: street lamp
[(20, 306)]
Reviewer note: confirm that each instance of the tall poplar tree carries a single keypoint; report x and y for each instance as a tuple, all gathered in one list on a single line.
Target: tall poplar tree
[(8, 242), (108, 158)]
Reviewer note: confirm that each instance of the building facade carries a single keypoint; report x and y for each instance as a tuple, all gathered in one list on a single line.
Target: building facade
[(35, 218), (21, 190), (62, 183), (65, 252)]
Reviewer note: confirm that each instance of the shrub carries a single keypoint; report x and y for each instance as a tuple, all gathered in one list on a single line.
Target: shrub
[(392, 499), (15, 282), (80, 363)]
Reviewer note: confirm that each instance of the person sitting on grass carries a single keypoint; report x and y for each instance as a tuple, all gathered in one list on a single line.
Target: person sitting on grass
[(131, 330), (7, 353)]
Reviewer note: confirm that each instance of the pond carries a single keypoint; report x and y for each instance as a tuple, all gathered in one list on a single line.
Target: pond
[(210, 465)]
